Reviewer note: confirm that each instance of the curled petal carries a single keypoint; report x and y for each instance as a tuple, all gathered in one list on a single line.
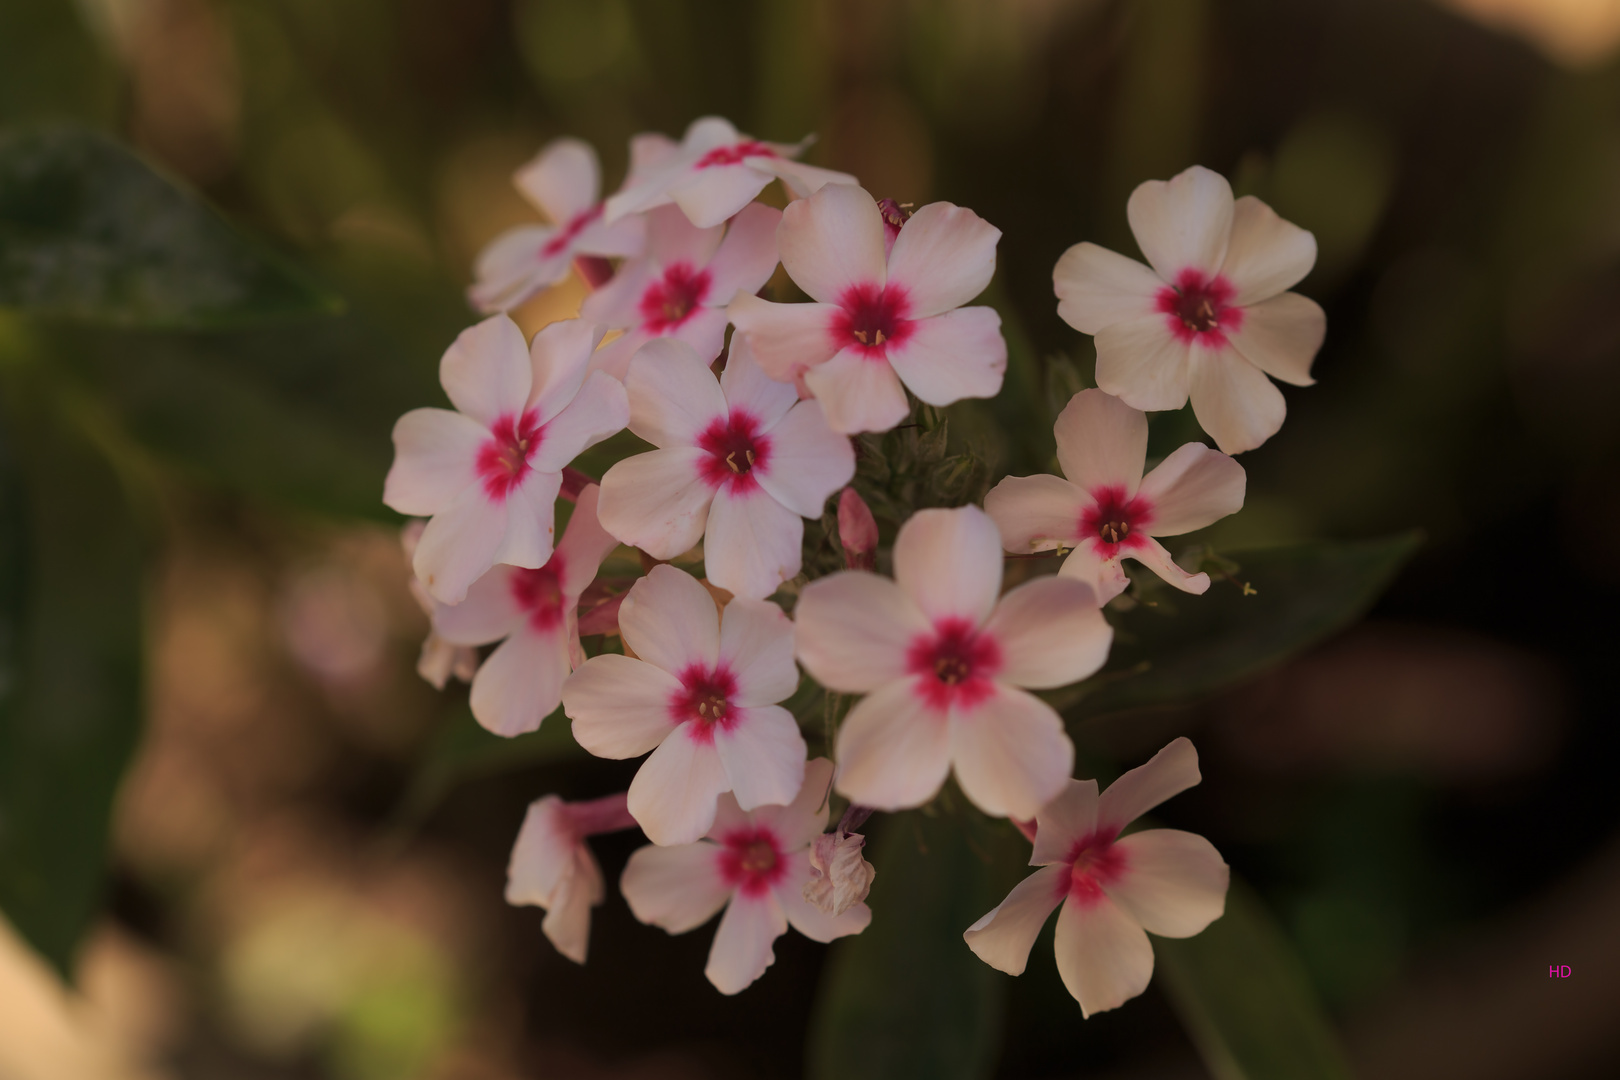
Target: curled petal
[(806, 918), (1103, 573), (1008, 931)]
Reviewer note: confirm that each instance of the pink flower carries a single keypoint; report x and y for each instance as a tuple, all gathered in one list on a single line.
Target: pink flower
[(740, 462), (701, 695), (439, 660), (716, 172), (877, 322), (1169, 882), (681, 287), (1210, 319), (562, 181), (1107, 510), (942, 663), (755, 865), (487, 475), (536, 612), (552, 867)]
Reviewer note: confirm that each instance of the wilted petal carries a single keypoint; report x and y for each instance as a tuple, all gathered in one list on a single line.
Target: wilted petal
[(521, 682), (1174, 882), (1051, 632), (1010, 752), (832, 241), (742, 946), (1193, 487), (1103, 955), (672, 797), (853, 629), (1281, 337), (807, 918), (657, 501), (1143, 363), (894, 752), (856, 393), (1035, 513), (949, 563), (1152, 554), (675, 888), (762, 753), (840, 875), (1005, 935), (960, 354), (752, 543), (1266, 254), (1233, 400), (1101, 442), (756, 644), (435, 455), (784, 338), (1169, 772), (944, 256), (1183, 222), (486, 370), (673, 394), (1096, 288)]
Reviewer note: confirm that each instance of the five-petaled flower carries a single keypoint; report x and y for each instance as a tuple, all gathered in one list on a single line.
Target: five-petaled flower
[(701, 694), (552, 867), (756, 866), (879, 322), (1211, 318), (488, 474), (1112, 888), (740, 461), (537, 613), (563, 181), (944, 666), (1107, 510)]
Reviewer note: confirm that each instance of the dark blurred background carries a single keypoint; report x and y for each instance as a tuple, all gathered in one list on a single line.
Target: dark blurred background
[(1426, 801)]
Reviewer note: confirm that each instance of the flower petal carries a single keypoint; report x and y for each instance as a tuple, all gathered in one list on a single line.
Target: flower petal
[(1183, 222), (672, 237), (672, 796), (752, 543), (1193, 487), (599, 409), (809, 461), (617, 304), (1281, 337), (584, 544), (435, 460), (486, 370), (800, 179), (670, 620), (521, 682), (756, 644), (1063, 822), (1174, 882), (562, 180), (1004, 936), (489, 613), (543, 854), (805, 917), (1035, 513), (620, 706), (1233, 400), (1051, 632), (1104, 574), (613, 358), (1266, 254), (960, 354), (802, 820), (949, 563), (559, 356), (458, 546), (567, 924), (531, 520), (1152, 554), (673, 395), (853, 629), (749, 389), (944, 256), (626, 238), (1169, 772), (1101, 442), (1103, 955), (676, 888), (762, 753), (832, 241), (715, 194), (746, 258), (856, 393), (742, 946), (513, 267), (705, 331), (658, 501), (1097, 288), (894, 752), (785, 338), (1143, 363), (1011, 753)]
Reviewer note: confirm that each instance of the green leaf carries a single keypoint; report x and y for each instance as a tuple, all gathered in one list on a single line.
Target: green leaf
[(89, 231), (1190, 646), (462, 750), (1245, 1000), (907, 998), (70, 692)]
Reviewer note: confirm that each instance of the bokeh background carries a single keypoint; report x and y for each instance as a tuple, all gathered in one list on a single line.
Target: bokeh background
[(1426, 802)]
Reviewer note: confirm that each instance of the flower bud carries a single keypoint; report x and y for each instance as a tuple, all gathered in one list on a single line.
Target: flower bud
[(857, 531), (843, 876)]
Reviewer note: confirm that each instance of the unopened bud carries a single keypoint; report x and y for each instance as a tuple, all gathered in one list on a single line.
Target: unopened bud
[(843, 877), (857, 531)]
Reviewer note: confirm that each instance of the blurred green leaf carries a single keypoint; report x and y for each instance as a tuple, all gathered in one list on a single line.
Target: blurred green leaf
[(1301, 594), (89, 231), (462, 750), (907, 998), (1243, 995)]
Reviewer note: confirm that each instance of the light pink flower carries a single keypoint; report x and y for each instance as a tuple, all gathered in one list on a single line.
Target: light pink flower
[(439, 660), (879, 322), (702, 697), (681, 286), (487, 475), (1107, 510), (536, 612), (755, 865), (741, 461), (942, 663), (552, 867), (1169, 882), (716, 172), (563, 182), (1211, 318)]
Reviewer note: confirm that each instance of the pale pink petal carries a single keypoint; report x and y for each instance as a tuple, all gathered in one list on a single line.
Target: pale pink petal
[(853, 629), (562, 180), (675, 888), (672, 237), (435, 460), (1105, 575), (1174, 882), (485, 371), (543, 854), (613, 358), (949, 563), (1103, 955), (584, 544), (802, 820), (1233, 400), (752, 543), (648, 150), (742, 946), (894, 752), (960, 354), (1036, 513), (670, 620), (1182, 222), (1004, 936), (856, 393), (831, 241), (1266, 254), (672, 796), (626, 237), (800, 179), (618, 303), (620, 706), (714, 194), (521, 682), (705, 331), (808, 462), (657, 501), (1101, 442), (1193, 487), (1143, 363), (1069, 818), (1011, 753), (746, 258), (747, 387), (944, 256), (530, 521), (513, 267), (673, 394), (489, 613), (1281, 336), (1051, 633), (756, 645), (599, 410), (762, 753), (785, 338), (1169, 772), (1097, 288), (567, 924), (728, 816), (804, 917), (1152, 554), (458, 546), (560, 356)]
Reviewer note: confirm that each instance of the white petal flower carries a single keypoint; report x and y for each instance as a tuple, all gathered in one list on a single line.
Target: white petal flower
[(1210, 318), (1112, 888), (947, 669), (552, 867), (1106, 510), (440, 660)]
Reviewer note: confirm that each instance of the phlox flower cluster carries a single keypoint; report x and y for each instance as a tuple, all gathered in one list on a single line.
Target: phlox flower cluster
[(747, 410)]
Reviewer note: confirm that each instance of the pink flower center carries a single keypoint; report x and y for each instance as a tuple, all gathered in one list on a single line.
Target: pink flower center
[(503, 460), (1113, 521), (570, 232), (670, 300), (734, 154), (1200, 308), (1095, 861), (953, 665), (704, 700), (751, 860), (736, 449), (872, 319), (538, 593)]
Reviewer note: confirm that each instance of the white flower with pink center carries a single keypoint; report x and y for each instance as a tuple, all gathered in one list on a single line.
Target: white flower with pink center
[(1114, 890), (715, 172), (563, 182), (487, 475), (1211, 318), (741, 461), (439, 660), (535, 615), (701, 694), (1107, 510), (946, 668), (681, 287), (552, 867), (880, 325), (756, 866)]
